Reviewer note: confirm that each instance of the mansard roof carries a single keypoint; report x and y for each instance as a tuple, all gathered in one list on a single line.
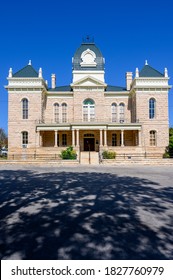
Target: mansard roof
[(26, 72), (148, 71), (99, 60)]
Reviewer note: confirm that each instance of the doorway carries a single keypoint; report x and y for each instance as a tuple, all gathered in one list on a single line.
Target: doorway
[(89, 144)]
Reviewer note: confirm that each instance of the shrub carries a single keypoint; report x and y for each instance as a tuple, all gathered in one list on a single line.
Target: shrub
[(166, 155), (109, 155), (69, 153)]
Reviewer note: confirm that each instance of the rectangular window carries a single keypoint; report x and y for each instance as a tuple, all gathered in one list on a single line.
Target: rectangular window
[(58, 140), (25, 109), (64, 113), (92, 112), (114, 139), (152, 104), (121, 112), (64, 139), (114, 112), (85, 113), (56, 112), (24, 138), (152, 138)]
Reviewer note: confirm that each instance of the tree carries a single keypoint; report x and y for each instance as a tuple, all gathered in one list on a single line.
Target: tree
[(171, 142), (3, 138)]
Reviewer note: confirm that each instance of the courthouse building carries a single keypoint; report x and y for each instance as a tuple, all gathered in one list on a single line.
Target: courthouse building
[(88, 113)]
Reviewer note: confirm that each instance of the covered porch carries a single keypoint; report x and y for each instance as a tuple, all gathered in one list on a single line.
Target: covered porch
[(89, 137)]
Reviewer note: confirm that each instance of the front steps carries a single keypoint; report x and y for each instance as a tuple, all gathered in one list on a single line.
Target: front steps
[(89, 158)]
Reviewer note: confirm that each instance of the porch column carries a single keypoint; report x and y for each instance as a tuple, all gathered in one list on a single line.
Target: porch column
[(122, 138), (77, 137), (56, 133), (38, 138), (139, 138), (101, 137), (73, 137), (105, 137)]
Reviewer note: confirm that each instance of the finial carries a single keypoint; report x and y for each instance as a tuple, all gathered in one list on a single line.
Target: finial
[(10, 73), (146, 62), (40, 73), (29, 62), (166, 73), (137, 73), (88, 39)]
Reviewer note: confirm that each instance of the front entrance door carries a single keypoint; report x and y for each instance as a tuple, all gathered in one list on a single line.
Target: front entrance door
[(89, 144)]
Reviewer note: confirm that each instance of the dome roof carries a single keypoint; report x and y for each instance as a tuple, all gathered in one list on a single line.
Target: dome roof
[(88, 57)]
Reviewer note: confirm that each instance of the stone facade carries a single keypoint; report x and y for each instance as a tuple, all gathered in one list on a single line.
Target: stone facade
[(88, 114)]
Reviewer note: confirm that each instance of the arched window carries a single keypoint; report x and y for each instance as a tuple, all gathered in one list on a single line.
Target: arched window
[(64, 112), (121, 112), (88, 110), (114, 112), (152, 138), (25, 108), (152, 108), (24, 137), (56, 112)]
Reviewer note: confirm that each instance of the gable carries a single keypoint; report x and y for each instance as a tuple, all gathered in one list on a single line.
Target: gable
[(88, 82)]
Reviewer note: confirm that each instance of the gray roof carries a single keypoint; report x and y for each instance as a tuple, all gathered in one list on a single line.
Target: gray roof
[(115, 88), (68, 88), (77, 57), (26, 72), (148, 71), (61, 88)]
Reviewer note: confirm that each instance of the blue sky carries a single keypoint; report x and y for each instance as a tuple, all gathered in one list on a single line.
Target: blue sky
[(49, 32)]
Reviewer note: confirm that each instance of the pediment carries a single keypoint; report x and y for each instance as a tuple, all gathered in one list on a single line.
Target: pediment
[(88, 82)]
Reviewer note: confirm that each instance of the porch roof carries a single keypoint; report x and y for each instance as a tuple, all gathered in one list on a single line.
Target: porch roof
[(88, 126)]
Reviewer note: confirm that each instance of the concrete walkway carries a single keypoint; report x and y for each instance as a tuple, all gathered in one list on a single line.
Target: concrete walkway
[(86, 212)]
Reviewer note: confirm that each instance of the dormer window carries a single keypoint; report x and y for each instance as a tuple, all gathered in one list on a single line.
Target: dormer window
[(88, 59)]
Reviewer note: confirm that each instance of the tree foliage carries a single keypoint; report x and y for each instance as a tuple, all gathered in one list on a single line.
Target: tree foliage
[(3, 138), (171, 142)]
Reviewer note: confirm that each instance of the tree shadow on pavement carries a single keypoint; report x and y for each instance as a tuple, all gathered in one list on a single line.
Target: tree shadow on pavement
[(70, 215)]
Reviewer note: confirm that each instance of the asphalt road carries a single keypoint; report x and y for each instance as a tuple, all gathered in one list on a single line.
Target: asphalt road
[(86, 212)]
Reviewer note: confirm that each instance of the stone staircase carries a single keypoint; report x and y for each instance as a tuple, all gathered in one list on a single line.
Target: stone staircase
[(94, 158)]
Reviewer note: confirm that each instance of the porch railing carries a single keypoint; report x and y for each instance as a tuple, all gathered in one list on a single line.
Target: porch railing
[(75, 121)]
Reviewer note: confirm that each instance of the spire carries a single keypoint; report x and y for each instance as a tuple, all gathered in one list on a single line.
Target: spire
[(29, 63), (146, 62)]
